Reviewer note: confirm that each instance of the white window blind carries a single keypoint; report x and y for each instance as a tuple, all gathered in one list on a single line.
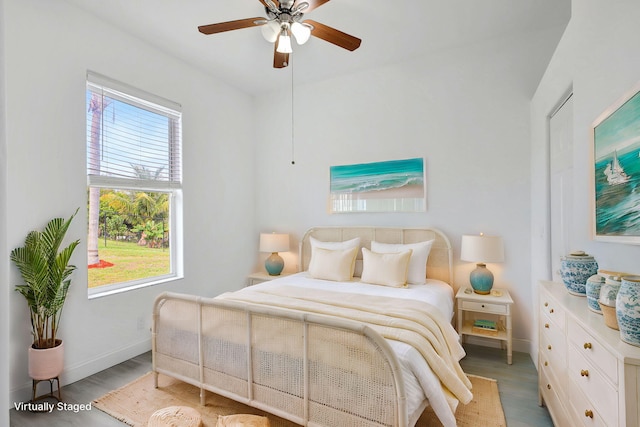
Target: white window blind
[(139, 136)]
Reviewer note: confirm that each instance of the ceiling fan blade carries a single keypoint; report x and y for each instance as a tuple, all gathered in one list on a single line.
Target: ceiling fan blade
[(280, 60), (265, 4), (313, 4), (228, 26), (334, 36)]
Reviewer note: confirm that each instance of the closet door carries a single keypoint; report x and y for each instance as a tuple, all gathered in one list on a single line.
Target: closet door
[(561, 184)]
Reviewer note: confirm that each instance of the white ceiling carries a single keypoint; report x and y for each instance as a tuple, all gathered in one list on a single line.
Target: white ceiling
[(390, 31)]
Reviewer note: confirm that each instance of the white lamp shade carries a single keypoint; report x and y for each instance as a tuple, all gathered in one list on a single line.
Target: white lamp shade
[(482, 249), (274, 242), (301, 32), (271, 31), (284, 43)]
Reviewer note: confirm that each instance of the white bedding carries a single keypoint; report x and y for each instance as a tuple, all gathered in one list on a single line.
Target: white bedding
[(419, 379)]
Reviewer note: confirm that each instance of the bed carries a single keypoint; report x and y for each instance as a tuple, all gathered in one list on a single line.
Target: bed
[(323, 349)]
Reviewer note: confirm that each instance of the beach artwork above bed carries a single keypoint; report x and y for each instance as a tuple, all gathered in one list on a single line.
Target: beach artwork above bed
[(390, 186)]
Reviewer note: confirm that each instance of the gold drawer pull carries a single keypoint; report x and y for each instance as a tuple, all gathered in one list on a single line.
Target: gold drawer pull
[(588, 413), (546, 325), (584, 373), (549, 386), (549, 347), (546, 363), (546, 304), (587, 345), (551, 311)]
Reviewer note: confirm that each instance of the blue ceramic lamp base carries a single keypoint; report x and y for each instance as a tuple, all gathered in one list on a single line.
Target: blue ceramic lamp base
[(274, 264), (481, 279)]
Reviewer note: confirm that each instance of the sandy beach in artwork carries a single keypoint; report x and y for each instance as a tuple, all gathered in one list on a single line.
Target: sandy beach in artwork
[(404, 192)]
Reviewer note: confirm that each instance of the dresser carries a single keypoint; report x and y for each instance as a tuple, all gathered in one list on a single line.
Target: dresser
[(587, 375)]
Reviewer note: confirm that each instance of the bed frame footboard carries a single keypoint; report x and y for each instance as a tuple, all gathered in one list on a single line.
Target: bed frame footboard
[(311, 369)]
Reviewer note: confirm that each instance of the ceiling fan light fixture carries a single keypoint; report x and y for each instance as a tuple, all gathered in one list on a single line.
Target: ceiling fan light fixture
[(270, 31), (284, 43), (285, 19), (301, 32)]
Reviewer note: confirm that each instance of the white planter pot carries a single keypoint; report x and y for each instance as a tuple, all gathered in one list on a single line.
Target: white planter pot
[(46, 363)]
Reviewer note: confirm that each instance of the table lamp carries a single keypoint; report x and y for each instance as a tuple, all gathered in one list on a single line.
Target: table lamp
[(481, 249), (274, 243)]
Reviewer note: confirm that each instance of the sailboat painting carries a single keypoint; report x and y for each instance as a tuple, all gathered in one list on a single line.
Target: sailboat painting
[(616, 144), (389, 186)]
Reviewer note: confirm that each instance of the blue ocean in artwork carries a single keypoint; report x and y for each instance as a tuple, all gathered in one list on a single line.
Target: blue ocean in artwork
[(618, 194), (377, 176)]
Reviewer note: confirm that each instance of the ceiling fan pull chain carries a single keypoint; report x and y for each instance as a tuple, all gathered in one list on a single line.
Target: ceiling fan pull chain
[(293, 161)]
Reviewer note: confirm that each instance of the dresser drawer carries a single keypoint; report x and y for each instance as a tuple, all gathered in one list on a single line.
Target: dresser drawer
[(484, 307), (591, 382), (554, 348), (585, 413), (593, 351), (548, 391), (552, 311), (554, 374)]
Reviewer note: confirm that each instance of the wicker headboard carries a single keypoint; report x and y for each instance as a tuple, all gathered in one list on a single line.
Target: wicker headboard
[(439, 263)]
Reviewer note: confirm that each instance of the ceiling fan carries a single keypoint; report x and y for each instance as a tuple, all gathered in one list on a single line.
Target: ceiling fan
[(284, 18)]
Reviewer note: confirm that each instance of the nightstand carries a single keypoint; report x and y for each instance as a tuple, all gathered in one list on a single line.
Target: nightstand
[(259, 277), (494, 306)]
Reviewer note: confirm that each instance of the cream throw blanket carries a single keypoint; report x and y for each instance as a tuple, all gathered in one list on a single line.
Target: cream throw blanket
[(416, 323)]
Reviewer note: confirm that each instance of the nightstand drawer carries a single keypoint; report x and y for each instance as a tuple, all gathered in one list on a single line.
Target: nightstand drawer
[(257, 278), (484, 307)]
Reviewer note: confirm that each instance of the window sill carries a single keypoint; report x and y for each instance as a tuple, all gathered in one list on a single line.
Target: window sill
[(107, 290)]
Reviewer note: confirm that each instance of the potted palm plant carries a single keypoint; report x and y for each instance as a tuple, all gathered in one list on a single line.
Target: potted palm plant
[(45, 270)]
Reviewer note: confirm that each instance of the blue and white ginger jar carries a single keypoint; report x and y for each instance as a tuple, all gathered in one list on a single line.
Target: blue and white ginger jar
[(594, 283), (628, 310), (575, 269)]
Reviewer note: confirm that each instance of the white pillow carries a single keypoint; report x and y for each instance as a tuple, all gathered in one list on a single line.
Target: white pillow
[(385, 269), (336, 265), (347, 244), (418, 264)]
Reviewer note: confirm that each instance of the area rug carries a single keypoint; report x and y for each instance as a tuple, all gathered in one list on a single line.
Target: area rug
[(134, 403)]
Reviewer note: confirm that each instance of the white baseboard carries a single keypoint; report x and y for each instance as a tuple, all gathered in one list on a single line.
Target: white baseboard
[(82, 370)]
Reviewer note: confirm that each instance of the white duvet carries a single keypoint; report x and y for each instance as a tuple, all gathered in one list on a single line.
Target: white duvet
[(420, 381)]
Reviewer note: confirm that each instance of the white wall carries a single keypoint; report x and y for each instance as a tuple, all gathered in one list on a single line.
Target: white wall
[(49, 48), (597, 58), (4, 255), (465, 110)]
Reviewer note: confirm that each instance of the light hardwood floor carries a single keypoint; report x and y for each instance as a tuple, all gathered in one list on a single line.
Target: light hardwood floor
[(517, 384)]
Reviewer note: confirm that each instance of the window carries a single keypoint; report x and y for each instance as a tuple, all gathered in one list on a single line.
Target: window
[(134, 196)]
